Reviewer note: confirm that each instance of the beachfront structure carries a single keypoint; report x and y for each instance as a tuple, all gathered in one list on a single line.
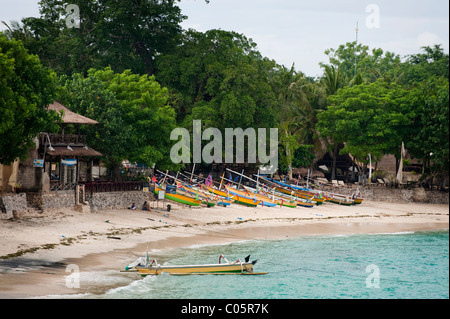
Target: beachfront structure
[(65, 154), (58, 162)]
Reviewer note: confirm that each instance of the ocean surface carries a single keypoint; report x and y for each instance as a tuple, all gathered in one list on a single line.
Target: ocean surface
[(378, 266)]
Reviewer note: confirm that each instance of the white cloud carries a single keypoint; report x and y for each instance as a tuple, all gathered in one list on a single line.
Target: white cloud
[(428, 39)]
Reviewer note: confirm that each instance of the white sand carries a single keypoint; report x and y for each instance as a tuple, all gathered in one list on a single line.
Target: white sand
[(49, 242)]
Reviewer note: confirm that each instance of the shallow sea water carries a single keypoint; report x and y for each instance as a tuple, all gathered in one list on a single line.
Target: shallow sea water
[(378, 266)]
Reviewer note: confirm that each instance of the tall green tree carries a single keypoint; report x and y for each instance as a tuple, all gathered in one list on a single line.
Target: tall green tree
[(432, 62), (429, 140), (135, 119), (26, 89), (299, 99), (369, 118), (353, 59), (219, 77), (120, 34)]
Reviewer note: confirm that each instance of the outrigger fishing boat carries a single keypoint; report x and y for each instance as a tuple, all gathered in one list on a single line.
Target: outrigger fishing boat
[(237, 199), (300, 192), (179, 198), (279, 200), (284, 199), (309, 196), (342, 201), (262, 200), (206, 200), (206, 197), (144, 267)]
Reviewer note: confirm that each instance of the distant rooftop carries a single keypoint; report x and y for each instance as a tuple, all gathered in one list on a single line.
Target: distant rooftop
[(70, 117)]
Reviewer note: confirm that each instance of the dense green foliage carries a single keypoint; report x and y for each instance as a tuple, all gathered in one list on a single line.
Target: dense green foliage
[(134, 118), (131, 67), (220, 78), (26, 88)]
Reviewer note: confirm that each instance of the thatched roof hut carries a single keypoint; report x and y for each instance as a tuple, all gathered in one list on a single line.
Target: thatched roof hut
[(70, 117)]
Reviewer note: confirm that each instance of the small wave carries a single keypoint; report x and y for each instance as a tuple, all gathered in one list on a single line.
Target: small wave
[(395, 233), (137, 286)]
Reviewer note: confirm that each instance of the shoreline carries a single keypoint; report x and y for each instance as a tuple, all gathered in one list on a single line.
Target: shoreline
[(100, 244)]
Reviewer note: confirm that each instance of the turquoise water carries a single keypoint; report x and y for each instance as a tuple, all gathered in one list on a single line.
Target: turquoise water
[(386, 266)]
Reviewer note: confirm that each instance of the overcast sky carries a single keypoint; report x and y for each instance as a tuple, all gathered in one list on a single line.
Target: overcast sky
[(298, 31)]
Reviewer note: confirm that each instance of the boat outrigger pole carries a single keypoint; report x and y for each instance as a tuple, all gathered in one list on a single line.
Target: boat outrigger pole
[(251, 179)]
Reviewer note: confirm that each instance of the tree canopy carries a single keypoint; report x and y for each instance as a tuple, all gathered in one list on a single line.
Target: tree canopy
[(134, 117), (26, 89), (369, 118)]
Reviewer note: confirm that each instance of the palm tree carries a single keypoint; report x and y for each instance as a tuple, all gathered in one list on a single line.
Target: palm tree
[(300, 99), (16, 31), (332, 81)]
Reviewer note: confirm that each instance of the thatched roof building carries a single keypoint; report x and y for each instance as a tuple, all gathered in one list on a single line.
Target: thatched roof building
[(70, 117)]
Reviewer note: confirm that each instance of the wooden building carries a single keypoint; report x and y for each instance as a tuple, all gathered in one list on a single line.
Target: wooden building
[(67, 157), (58, 162)]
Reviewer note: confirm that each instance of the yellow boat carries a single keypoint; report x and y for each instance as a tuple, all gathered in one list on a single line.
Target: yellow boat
[(342, 201), (280, 199), (144, 268), (263, 200), (301, 194), (237, 199)]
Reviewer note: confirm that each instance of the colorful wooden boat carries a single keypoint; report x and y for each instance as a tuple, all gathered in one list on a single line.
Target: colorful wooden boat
[(342, 201), (145, 268), (262, 200), (309, 196), (237, 199), (306, 204), (205, 201), (277, 199), (186, 191), (219, 200), (179, 198)]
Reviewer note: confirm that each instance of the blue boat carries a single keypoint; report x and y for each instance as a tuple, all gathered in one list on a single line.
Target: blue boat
[(288, 185)]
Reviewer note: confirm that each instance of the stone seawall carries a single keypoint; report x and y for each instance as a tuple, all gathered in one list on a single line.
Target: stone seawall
[(387, 194), (13, 204), (100, 201)]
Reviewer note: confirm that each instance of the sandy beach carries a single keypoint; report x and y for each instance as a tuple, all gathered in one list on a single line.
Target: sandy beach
[(37, 248)]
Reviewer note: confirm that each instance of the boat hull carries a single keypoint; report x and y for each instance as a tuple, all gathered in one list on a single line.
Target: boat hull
[(300, 194), (260, 199), (342, 202), (279, 199), (205, 201), (196, 269), (237, 199), (179, 198)]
